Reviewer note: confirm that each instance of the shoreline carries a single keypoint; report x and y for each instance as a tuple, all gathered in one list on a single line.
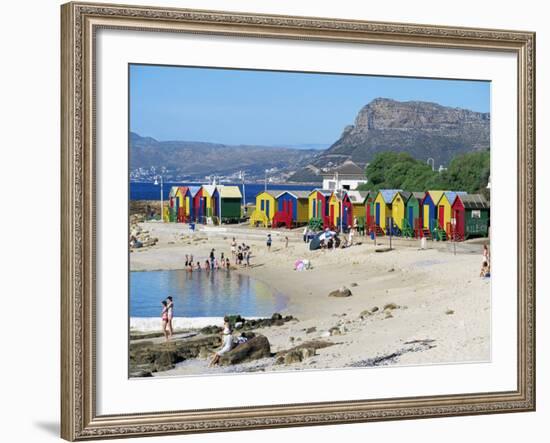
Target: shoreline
[(419, 306)]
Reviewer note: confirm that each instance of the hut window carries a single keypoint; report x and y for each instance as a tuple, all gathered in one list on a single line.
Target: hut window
[(476, 214)]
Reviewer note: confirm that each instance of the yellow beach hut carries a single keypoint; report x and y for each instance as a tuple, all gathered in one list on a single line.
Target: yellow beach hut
[(266, 206), (398, 205), (210, 195), (333, 210), (383, 206)]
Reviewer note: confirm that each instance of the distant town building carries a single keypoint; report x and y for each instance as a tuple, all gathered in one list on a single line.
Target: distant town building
[(346, 176)]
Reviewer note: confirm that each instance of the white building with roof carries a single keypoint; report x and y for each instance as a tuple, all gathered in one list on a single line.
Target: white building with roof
[(347, 176)]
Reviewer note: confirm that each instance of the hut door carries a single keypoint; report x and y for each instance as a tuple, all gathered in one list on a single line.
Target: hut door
[(314, 211), (267, 208), (332, 213), (411, 221), (441, 217), (289, 207), (378, 214), (459, 216)]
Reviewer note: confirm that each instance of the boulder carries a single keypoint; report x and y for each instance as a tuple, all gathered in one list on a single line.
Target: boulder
[(209, 330), (291, 357), (342, 292), (300, 352), (311, 330), (162, 356), (390, 307), (254, 349), (364, 314)]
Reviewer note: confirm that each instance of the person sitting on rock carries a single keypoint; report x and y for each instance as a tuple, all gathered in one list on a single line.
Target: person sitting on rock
[(227, 345)]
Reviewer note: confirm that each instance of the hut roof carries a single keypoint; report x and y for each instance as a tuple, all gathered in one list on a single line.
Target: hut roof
[(389, 194), (209, 188), (357, 197), (405, 195), (418, 195), (451, 195), (325, 192), (273, 192), (474, 201), (436, 196), (296, 194), (193, 190), (229, 192)]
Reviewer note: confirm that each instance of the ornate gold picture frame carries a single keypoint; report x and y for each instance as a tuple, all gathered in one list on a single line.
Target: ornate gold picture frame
[(80, 22)]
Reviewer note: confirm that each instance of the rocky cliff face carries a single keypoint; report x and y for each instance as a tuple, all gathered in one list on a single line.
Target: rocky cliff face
[(420, 128)]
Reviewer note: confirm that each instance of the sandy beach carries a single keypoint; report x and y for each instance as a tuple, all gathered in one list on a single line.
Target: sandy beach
[(407, 306)]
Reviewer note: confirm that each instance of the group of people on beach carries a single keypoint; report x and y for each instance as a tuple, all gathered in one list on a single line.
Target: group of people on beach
[(241, 253), (167, 316), (485, 262), (210, 264)]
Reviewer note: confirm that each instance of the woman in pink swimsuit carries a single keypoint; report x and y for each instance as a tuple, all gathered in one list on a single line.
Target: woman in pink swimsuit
[(164, 318)]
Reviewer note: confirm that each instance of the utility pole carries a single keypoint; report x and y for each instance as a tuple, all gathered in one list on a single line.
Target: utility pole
[(244, 191), (161, 196)]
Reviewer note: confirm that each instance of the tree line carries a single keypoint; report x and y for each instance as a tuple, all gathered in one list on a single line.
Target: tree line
[(399, 170)]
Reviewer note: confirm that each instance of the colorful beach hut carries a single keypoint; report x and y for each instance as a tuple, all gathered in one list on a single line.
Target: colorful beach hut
[(266, 205), (358, 199), (472, 216), (333, 210), (172, 204), (197, 213), (369, 208), (340, 207), (398, 210), (292, 209), (444, 210), (413, 212), (211, 198), (429, 209), (383, 206), (180, 203), (318, 205), (229, 203)]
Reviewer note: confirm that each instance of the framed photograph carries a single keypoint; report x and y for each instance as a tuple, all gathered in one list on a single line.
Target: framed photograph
[(275, 221)]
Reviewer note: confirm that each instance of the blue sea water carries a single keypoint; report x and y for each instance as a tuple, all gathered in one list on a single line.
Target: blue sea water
[(202, 294), (150, 191)]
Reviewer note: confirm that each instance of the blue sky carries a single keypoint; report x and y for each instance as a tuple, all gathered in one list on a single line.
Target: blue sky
[(272, 108)]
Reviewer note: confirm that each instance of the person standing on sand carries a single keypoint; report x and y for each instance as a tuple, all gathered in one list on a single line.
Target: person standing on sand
[(233, 247), (170, 307), (268, 242), (164, 319), (306, 232)]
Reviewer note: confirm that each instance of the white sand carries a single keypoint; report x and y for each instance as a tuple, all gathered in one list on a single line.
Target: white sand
[(444, 307)]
